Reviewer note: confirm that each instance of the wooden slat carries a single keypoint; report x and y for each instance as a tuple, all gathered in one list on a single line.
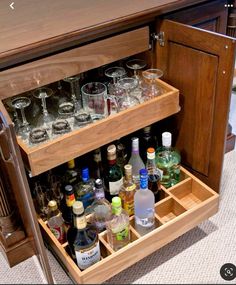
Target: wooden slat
[(53, 153), (56, 67)]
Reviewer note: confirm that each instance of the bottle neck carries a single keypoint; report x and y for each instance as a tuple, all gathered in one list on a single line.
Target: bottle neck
[(112, 161), (151, 162), (80, 221), (128, 177), (143, 183), (70, 199), (99, 193), (116, 210)]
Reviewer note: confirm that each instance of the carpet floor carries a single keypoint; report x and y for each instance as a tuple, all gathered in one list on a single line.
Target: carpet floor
[(194, 258)]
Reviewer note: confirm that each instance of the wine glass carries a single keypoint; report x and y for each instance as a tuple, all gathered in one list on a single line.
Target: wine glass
[(45, 119), (129, 100), (115, 73), (150, 86), (21, 103)]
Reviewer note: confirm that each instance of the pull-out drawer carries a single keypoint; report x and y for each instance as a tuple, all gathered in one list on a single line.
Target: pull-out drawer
[(182, 207)]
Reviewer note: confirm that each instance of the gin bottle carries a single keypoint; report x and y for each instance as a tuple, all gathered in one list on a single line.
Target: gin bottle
[(168, 161), (128, 190), (144, 203), (100, 208), (82, 239), (118, 233), (136, 161)]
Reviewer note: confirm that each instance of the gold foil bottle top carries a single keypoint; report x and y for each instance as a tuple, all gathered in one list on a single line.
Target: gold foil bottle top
[(147, 129), (52, 205), (111, 152), (71, 163), (78, 208)]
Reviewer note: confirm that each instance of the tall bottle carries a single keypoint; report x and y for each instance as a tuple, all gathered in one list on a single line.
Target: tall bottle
[(85, 189), (100, 208), (144, 206), (118, 232), (136, 161), (114, 176), (71, 176), (97, 168), (68, 202), (168, 161), (147, 140), (128, 190), (121, 155), (82, 239), (154, 174), (55, 221)]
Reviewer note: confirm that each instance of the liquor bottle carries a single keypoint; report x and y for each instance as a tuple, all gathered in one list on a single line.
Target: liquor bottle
[(118, 233), (114, 176), (71, 176), (68, 202), (55, 221), (85, 189), (168, 161), (97, 167), (144, 202), (154, 174), (82, 239), (147, 139), (128, 190), (100, 208), (121, 155), (136, 161)]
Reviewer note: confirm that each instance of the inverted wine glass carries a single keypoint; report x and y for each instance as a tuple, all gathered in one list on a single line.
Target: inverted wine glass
[(151, 88), (20, 103), (115, 73)]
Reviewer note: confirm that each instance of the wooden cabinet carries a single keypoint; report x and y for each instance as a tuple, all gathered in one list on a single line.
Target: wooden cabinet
[(197, 80)]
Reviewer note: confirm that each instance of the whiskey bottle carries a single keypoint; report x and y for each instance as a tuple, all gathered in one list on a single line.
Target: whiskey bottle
[(147, 139), (97, 167), (82, 239), (128, 190), (71, 176), (118, 232)]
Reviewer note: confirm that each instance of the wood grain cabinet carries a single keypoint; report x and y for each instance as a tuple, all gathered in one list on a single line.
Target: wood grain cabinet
[(198, 71)]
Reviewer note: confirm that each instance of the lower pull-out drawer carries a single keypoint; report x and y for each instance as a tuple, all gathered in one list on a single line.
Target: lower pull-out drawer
[(181, 208)]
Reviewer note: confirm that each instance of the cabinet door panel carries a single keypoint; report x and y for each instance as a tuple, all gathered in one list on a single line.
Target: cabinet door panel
[(200, 64)]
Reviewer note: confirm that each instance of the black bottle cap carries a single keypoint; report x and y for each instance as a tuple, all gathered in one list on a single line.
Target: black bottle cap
[(69, 189), (98, 183)]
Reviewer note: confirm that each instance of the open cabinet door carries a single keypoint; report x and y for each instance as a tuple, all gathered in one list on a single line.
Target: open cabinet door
[(200, 64), (14, 172)]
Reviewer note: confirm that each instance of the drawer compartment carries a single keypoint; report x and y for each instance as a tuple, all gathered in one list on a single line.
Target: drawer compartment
[(174, 217), (47, 155)]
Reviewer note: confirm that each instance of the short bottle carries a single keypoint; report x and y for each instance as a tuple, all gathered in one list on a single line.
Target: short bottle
[(83, 239), (144, 206), (71, 176), (128, 190), (154, 174), (168, 161), (85, 189), (100, 208), (56, 222), (67, 212), (118, 232), (136, 161), (114, 175)]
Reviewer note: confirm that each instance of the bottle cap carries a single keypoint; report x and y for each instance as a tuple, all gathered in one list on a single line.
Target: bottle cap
[(116, 202), (71, 163), (68, 189), (85, 174), (128, 168), (98, 183), (111, 152), (166, 139), (143, 171), (97, 155), (78, 208), (147, 129), (135, 144), (151, 153), (52, 205)]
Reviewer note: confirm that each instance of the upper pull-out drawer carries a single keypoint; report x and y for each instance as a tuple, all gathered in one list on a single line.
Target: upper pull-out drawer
[(55, 67)]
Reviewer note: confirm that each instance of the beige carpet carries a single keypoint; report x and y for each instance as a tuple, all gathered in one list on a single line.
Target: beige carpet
[(195, 257)]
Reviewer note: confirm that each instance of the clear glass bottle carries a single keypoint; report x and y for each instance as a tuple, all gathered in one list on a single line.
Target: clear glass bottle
[(67, 204), (100, 208), (144, 206), (85, 189), (168, 161), (154, 174), (118, 232), (128, 190), (114, 176), (136, 161), (71, 176), (56, 222), (83, 239)]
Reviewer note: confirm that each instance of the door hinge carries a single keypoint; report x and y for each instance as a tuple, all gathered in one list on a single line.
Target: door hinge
[(159, 38)]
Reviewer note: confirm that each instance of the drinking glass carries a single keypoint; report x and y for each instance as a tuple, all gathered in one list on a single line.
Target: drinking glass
[(150, 86), (45, 119), (38, 135), (21, 103), (60, 126), (42, 200), (96, 100), (75, 95), (115, 73), (128, 100)]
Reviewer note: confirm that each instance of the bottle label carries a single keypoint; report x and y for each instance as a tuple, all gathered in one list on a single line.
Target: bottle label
[(131, 188), (122, 235), (59, 233), (114, 187), (129, 207), (87, 199), (70, 200), (87, 257), (80, 222)]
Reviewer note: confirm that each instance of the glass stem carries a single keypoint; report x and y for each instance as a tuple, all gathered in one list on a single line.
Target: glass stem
[(45, 111), (24, 121)]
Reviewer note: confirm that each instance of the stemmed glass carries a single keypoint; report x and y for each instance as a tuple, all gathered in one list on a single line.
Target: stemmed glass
[(150, 86), (115, 73), (21, 103), (128, 84)]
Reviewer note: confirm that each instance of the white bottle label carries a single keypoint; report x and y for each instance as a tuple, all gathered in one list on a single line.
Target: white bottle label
[(114, 187), (87, 257)]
